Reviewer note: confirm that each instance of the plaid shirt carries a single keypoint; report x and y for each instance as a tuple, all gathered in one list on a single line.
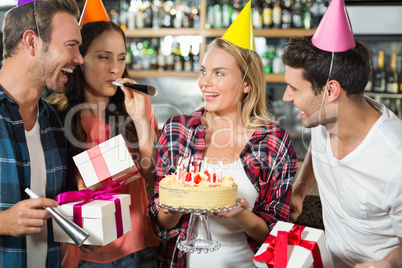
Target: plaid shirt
[(268, 159), (15, 172)]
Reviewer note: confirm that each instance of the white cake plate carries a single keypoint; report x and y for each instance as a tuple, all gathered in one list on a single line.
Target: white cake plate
[(198, 235)]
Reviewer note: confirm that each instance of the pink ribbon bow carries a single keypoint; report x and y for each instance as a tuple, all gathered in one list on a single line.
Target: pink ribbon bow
[(105, 193), (276, 255)]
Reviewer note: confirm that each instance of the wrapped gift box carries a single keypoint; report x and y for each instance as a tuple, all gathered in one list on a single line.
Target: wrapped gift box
[(98, 218), (297, 255), (106, 162)]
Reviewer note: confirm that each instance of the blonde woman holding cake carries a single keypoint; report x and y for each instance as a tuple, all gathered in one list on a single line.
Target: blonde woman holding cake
[(234, 133)]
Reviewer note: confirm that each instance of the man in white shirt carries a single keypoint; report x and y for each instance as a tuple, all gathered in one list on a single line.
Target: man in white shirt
[(355, 154)]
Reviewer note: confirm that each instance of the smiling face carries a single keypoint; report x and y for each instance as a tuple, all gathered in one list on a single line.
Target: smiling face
[(300, 92), (62, 54), (221, 81), (104, 63)]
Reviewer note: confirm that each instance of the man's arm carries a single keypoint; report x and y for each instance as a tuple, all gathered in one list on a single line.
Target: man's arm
[(303, 183), (392, 260), (25, 217)]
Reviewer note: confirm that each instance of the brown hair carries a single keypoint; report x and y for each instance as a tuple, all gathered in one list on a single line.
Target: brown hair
[(33, 16), (350, 68)]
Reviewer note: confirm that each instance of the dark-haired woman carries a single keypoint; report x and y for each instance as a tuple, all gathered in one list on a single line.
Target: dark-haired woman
[(96, 110)]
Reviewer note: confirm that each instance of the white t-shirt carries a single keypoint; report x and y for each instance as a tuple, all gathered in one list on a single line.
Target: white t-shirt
[(37, 243), (361, 194), (234, 251)]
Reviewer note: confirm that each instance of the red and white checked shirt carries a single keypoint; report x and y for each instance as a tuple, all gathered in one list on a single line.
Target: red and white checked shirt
[(268, 159)]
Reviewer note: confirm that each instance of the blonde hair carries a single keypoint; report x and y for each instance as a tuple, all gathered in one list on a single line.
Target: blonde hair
[(254, 110)]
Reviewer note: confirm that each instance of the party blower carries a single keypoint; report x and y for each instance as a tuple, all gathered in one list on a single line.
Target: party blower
[(76, 233), (150, 90)]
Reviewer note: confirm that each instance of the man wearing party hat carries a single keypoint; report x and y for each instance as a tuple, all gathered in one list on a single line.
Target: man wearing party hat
[(40, 40), (355, 153), (233, 133)]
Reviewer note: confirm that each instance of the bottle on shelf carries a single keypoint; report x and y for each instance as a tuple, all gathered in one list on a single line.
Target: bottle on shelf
[(196, 58), (391, 76), (287, 15), (146, 57), (114, 16), (157, 13), (227, 10), (161, 59), (217, 15), (140, 18), (297, 14), (186, 56), (307, 16), (129, 56), (318, 10), (136, 59), (277, 64), (267, 58), (194, 16), (153, 54), (277, 15), (257, 15), (186, 14), (379, 74), (267, 14), (124, 15), (166, 17), (209, 23), (148, 12), (178, 59), (177, 13), (131, 14), (236, 9)]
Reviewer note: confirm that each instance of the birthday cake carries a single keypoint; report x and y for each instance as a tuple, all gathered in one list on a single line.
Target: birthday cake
[(193, 190)]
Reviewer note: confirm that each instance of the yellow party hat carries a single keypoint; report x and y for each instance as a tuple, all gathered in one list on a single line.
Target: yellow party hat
[(94, 10), (242, 28)]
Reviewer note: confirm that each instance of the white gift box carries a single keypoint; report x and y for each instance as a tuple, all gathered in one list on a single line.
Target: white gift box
[(109, 161), (299, 257), (98, 219)]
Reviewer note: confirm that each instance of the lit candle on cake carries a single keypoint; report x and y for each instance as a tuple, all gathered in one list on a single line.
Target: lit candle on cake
[(220, 172), (178, 168), (211, 177)]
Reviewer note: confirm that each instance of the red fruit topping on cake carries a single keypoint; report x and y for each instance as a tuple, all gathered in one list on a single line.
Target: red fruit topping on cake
[(208, 175), (214, 178), (188, 177), (197, 179)]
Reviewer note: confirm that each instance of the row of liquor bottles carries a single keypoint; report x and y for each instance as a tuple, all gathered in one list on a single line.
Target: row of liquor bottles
[(284, 14), (386, 79), (168, 53), (181, 53), (138, 14), (156, 14)]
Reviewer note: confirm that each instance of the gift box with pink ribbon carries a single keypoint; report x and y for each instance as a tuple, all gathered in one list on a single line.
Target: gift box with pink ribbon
[(293, 246), (109, 161), (104, 214)]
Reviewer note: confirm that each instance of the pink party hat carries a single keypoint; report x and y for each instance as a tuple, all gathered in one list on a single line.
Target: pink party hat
[(21, 2), (94, 10), (334, 33)]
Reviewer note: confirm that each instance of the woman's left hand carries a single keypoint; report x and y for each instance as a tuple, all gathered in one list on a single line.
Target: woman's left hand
[(135, 102), (244, 205)]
